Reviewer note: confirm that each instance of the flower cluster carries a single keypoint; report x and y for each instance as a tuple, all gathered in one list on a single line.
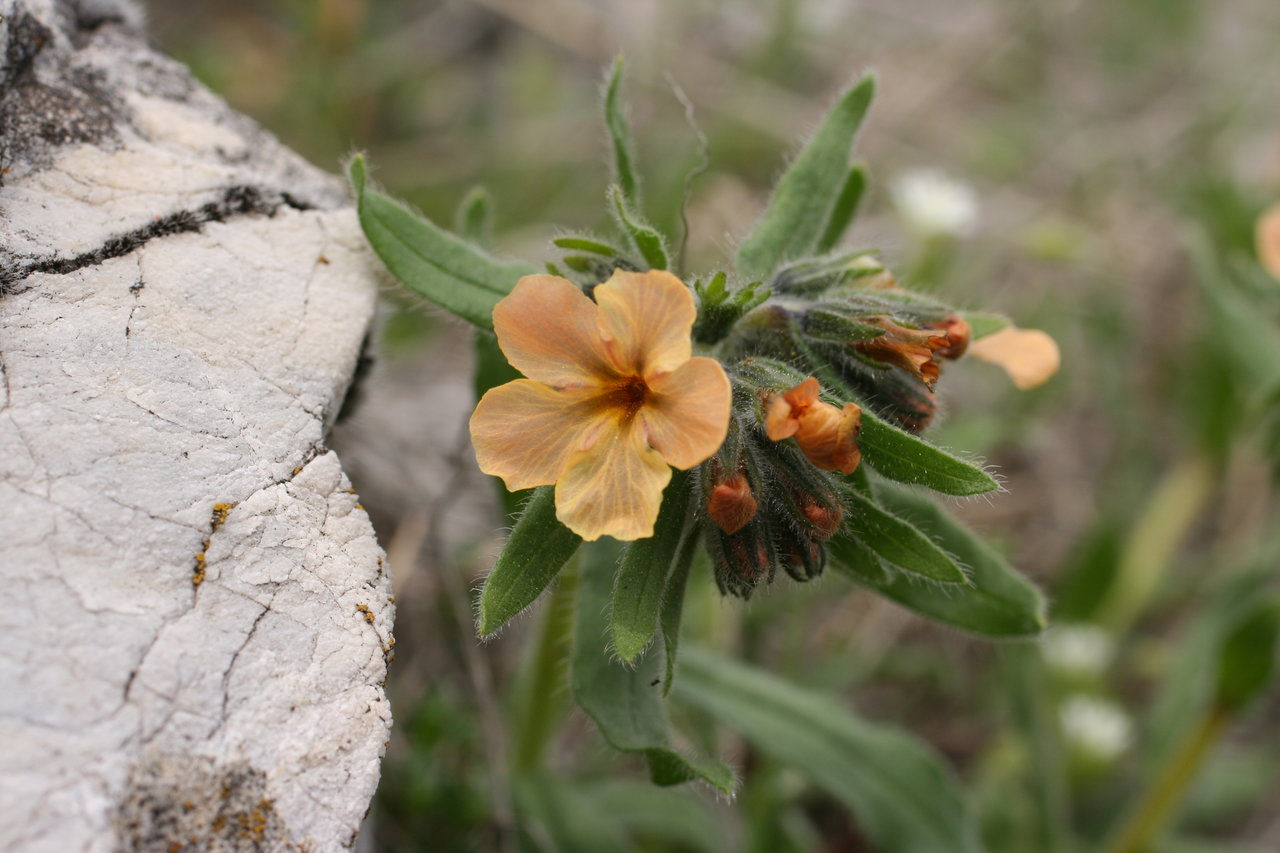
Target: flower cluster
[(615, 398)]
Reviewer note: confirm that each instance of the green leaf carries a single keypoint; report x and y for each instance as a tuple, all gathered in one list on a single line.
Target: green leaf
[(901, 793), (556, 809), (844, 209), (982, 324), (685, 823), (583, 244), (626, 702), (673, 609), (900, 542), (998, 602), (1187, 690), (1247, 660), (537, 549), (642, 575), (903, 457), (429, 260), (624, 169), (473, 219), (808, 191), (646, 239)]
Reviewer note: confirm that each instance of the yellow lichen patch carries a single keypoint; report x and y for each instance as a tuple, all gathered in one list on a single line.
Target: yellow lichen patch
[(368, 614), (197, 574), (220, 512), (253, 825)]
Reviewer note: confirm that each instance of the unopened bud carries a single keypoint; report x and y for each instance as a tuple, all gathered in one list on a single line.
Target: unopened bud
[(743, 559), (958, 334), (732, 505), (910, 349)]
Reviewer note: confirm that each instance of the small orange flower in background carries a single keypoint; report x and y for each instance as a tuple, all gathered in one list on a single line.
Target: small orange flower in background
[(1029, 356), (614, 398), (827, 435), (1268, 239)]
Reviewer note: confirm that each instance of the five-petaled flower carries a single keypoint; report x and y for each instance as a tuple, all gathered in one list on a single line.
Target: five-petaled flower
[(613, 398), (828, 436)]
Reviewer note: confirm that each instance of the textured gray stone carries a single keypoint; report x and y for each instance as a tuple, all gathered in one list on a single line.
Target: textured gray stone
[(198, 617)]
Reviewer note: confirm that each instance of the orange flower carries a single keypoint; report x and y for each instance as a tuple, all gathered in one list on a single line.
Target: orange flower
[(827, 435), (614, 398), (1029, 356), (910, 349)]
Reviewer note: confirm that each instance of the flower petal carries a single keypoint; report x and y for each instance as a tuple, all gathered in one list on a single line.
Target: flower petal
[(614, 488), (549, 331), (1029, 356), (686, 413), (646, 319), (1269, 240), (782, 417), (829, 436), (525, 431)]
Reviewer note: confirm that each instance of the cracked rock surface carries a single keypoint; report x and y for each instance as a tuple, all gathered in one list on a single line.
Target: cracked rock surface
[(199, 617)]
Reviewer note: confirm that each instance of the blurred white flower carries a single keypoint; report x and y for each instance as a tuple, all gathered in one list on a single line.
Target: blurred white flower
[(1081, 649), (933, 204), (1099, 729)]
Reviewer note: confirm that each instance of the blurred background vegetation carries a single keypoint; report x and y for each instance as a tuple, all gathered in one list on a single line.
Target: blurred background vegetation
[(1118, 155)]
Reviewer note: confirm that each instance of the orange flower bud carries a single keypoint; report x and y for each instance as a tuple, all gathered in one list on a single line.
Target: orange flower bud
[(826, 520), (910, 349), (828, 436), (732, 504), (958, 334)]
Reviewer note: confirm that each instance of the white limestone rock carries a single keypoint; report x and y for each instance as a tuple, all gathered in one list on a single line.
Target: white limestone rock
[(198, 616)]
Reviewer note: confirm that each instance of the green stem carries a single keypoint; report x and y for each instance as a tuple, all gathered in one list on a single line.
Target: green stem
[(542, 696), (1140, 830), (1174, 506)]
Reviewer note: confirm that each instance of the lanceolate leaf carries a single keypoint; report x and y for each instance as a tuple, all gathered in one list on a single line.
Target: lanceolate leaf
[(808, 191), (473, 220), (998, 601), (982, 324), (538, 548), (624, 168), (844, 210), (642, 575), (626, 702), (901, 793), (903, 457), (429, 260), (646, 239), (673, 608), (900, 542)]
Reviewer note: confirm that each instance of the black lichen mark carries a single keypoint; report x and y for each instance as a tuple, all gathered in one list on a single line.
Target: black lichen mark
[(183, 804), (236, 201), (220, 512), (37, 116)]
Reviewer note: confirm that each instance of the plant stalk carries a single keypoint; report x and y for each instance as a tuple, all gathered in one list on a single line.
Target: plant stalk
[(1139, 832), (543, 697)]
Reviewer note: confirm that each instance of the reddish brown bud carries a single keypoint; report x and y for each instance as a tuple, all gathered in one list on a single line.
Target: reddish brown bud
[(910, 349), (958, 334), (826, 519), (732, 505)]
